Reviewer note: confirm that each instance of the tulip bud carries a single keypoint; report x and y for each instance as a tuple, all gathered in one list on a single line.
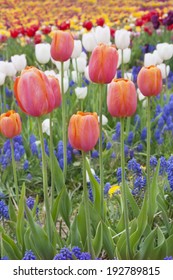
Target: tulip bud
[(11, 70), (103, 64), (77, 49), (104, 120), (42, 52), (83, 131), (19, 61), (65, 82), (86, 73), (149, 81), (10, 124), (89, 41), (121, 98), (3, 67), (66, 65), (157, 57), (149, 59), (102, 35), (126, 56), (81, 92), (122, 39), (165, 50), (62, 45)]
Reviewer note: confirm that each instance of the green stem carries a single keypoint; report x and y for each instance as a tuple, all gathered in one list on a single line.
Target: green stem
[(45, 184), (166, 84), (148, 145), (87, 212), (51, 159), (64, 136), (14, 171), (128, 121), (100, 151), (123, 191)]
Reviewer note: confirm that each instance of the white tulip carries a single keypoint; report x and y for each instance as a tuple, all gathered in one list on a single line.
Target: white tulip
[(89, 41), (104, 120), (122, 39), (157, 57), (84, 55), (149, 59), (81, 92), (11, 70), (42, 52), (65, 82), (79, 64), (2, 78), (86, 73), (126, 56), (102, 34), (165, 69), (19, 61), (46, 126), (66, 65), (140, 95), (77, 49), (165, 50)]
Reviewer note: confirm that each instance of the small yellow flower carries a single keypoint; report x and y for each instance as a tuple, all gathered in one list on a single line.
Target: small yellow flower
[(113, 189)]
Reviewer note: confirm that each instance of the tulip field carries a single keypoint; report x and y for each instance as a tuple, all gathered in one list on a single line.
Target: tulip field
[(86, 129)]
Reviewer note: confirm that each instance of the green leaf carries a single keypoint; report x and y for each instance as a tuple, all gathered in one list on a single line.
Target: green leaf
[(58, 174), (132, 202), (169, 246), (81, 224), (163, 207), (74, 237), (11, 248), (12, 211), (55, 208), (108, 243), (142, 221), (153, 192), (98, 240), (65, 206), (40, 238)]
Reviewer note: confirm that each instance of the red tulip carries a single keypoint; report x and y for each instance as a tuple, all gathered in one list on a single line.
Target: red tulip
[(83, 131), (100, 21), (149, 81), (34, 92), (121, 98), (10, 124), (103, 64), (88, 25), (62, 45), (56, 90)]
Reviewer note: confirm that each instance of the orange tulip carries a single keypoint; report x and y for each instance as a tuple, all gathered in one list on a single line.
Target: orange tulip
[(56, 90), (121, 98), (83, 131), (10, 124), (149, 81), (62, 45), (34, 92), (103, 64)]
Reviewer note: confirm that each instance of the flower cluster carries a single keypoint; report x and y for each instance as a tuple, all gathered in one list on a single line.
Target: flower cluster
[(67, 254)]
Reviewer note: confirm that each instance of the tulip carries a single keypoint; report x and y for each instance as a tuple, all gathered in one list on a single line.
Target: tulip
[(46, 126), (77, 49), (165, 50), (81, 92), (121, 98), (65, 83), (3, 67), (10, 124), (89, 41), (34, 93), (66, 65), (11, 70), (149, 81), (104, 120), (62, 45), (19, 61), (124, 56), (83, 131), (149, 59), (79, 64), (122, 39), (42, 52), (102, 34), (165, 69), (103, 64), (157, 57)]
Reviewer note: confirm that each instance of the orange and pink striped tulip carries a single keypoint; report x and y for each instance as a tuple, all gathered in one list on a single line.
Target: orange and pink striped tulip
[(10, 124)]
